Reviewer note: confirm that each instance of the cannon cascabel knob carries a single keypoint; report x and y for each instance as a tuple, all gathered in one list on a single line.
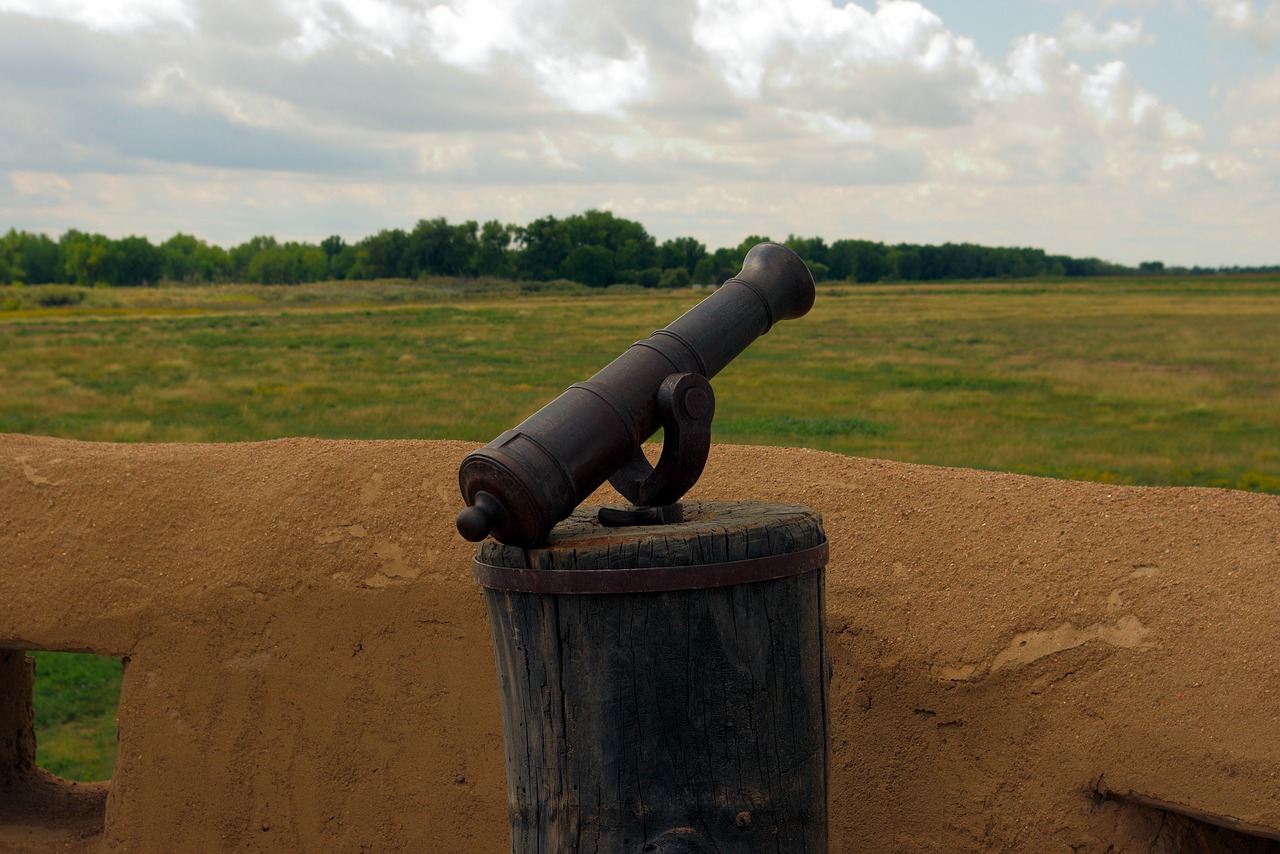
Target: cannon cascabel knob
[(475, 522)]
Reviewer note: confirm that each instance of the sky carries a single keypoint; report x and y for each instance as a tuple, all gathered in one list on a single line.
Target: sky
[(1128, 130)]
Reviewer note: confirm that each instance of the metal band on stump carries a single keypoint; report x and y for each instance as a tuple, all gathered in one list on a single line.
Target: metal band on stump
[(672, 719), (654, 579)]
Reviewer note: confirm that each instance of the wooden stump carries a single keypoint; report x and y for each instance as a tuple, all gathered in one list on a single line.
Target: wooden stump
[(668, 720)]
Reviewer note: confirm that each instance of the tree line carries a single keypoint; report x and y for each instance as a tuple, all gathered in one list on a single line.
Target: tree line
[(594, 248)]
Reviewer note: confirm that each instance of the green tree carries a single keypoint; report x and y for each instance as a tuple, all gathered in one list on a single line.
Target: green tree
[(11, 258), (858, 260), (720, 266), (33, 259), (619, 250), (332, 246), (589, 265), (683, 252), (649, 277), (10, 271), (185, 258), (341, 266), (676, 277), (436, 248), (132, 261), (813, 251), (288, 264), (85, 257), (337, 258), (386, 254), (178, 257), (543, 246), (493, 250), (352, 261), (905, 264), (241, 256), (632, 247)]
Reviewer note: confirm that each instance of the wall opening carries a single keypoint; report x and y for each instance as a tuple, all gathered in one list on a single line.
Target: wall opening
[(58, 736), (76, 699)]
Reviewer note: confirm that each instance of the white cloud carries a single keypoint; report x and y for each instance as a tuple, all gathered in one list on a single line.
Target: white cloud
[(897, 79), (1260, 26), (554, 43), (539, 39), (304, 118), (381, 26), (39, 184), (759, 43), (447, 157), (590, 83), (1032, 61), (1120, 105), (118, 16), (1080, 33), (470, 33), (1106, 90), (898, 65), (171, 88), (1254, 110), (829, 126)]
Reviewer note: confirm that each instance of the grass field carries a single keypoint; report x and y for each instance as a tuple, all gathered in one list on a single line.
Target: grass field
[(1146, 381), (75, 700), (1142, 381)]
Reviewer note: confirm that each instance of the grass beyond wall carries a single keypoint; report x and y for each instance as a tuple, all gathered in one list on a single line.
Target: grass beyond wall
[(1145, 381), (75, 698)]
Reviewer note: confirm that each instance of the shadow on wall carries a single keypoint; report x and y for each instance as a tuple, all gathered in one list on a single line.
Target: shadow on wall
[(1018, 664)]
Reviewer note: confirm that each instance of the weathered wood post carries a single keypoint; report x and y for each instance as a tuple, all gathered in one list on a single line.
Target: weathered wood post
[(17, 731), (664, 688)]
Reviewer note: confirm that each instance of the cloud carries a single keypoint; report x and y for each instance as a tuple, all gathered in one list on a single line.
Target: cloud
[(589, 83), (1254, 111), (536, 38), (1080, 33), (470, 34), (898, 79), (715, 118), (1260, 26), (118, 16), (898, 64), (39, 184)]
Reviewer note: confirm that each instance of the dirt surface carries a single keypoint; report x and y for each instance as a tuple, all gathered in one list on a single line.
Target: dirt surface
[(310, 667)]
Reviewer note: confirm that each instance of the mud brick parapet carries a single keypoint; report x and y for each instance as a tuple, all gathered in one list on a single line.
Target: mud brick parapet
[(1019, 664)]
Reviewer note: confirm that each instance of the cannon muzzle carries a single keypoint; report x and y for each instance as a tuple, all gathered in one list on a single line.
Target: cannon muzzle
[(522, 483)]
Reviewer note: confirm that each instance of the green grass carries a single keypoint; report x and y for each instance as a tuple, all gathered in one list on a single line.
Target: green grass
[(1146, 381), (75, 699)]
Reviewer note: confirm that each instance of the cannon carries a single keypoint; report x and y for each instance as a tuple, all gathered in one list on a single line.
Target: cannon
[(526, 480)]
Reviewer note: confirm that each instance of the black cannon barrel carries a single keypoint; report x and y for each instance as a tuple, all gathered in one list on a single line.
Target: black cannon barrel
[(529, 478)]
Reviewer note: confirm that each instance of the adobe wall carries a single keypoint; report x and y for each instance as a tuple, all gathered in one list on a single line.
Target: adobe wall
[(309, 665)]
